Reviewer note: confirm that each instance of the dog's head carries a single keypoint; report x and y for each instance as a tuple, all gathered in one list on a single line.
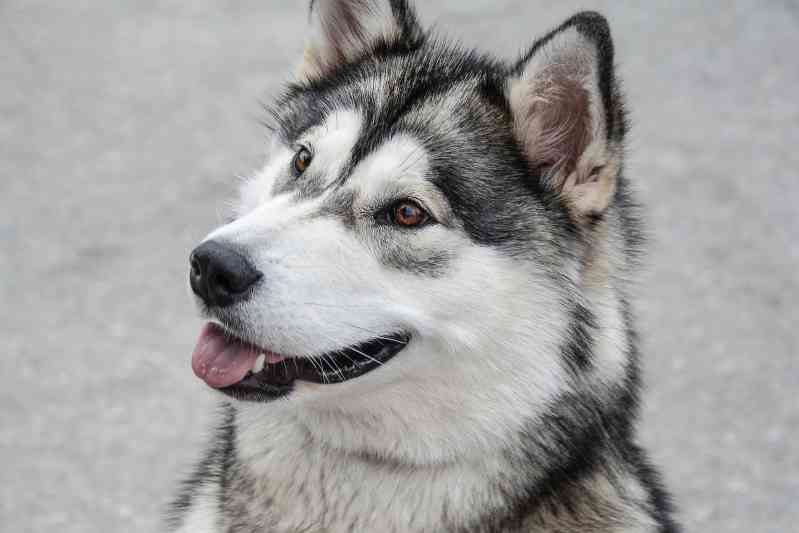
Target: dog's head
[(410, 271)]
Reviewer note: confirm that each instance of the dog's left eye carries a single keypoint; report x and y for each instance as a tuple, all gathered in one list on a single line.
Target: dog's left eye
[(407, 213), (302, 159)]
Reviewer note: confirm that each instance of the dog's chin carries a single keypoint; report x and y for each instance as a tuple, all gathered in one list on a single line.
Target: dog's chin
[(242, 370)]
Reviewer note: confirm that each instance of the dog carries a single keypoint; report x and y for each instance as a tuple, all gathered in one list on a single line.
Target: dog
[(419, 317)]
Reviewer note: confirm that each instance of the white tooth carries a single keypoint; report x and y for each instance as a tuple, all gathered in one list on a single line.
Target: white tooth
[(259, 363)]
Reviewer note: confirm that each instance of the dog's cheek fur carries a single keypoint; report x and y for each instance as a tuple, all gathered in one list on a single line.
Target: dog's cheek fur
[(480, 370), (464, 358)]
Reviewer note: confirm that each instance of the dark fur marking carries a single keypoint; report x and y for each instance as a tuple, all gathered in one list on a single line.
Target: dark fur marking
[(578, 349), (209, 469)]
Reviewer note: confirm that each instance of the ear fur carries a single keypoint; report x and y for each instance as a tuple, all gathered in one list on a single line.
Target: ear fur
[(567, 112), (344, 30)]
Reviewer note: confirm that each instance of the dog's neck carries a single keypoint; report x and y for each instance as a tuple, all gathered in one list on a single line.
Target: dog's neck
[(282, 478)]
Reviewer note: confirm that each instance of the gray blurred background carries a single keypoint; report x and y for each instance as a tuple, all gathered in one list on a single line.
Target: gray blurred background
[(123, 126)]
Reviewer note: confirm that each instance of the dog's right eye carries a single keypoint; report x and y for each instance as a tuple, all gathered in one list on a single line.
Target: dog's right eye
[(302, 159)]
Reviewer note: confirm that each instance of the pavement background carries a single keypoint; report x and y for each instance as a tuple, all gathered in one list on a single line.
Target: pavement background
[(124, 124)]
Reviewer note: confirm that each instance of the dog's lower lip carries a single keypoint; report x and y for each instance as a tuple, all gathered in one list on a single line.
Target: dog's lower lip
[(277, 379)]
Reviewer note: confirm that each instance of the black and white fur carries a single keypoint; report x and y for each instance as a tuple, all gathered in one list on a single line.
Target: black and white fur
[(513, 406)]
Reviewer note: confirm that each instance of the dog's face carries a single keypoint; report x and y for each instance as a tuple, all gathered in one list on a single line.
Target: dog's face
[(402, 271)]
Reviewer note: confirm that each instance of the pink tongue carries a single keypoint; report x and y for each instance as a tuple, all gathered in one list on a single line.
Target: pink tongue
[(219, 359)]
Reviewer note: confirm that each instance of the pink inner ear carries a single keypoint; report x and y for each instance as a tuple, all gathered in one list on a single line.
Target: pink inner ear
[(557, 125)]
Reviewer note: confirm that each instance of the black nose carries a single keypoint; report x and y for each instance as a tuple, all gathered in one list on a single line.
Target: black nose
[(220, 275)]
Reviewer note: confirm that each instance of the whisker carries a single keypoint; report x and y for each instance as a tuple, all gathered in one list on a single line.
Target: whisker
[(344, 353), (372, 332), (353, 349), (367, 356), (317, 365), (325, 359), (338, 369)]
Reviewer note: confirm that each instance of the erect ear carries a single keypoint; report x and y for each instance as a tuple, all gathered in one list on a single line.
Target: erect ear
[(568, 115), (344, 30)]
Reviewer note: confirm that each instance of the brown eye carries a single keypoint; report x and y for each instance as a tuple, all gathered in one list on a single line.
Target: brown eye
[(301, 161), (408, 214)]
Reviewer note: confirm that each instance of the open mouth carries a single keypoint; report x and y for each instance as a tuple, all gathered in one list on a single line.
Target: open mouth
[(248, 372)]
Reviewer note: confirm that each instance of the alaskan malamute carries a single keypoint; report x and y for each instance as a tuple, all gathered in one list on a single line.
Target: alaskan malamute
[(419, 318)]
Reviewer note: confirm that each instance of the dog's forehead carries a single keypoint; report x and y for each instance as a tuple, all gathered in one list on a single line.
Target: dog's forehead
[(386, 90)]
